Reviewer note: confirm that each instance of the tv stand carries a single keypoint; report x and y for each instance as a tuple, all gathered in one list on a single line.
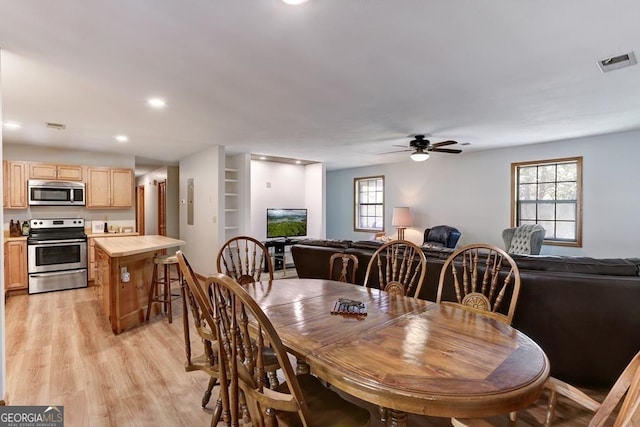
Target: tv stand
[(278, 254)]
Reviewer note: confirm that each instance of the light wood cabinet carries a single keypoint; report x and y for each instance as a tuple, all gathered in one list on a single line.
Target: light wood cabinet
[(91, 248), (15, 265), (109, 188), (103, 277), (50, 171), (125, 303), (14, 185)]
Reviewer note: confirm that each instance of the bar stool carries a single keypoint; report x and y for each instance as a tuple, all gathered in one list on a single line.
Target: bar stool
[(166, 297)]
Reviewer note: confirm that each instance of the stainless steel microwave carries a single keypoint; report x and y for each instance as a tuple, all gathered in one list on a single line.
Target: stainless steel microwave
[(56, 193)]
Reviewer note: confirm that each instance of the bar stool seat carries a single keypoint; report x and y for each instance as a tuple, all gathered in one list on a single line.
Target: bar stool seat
[(166, 297)]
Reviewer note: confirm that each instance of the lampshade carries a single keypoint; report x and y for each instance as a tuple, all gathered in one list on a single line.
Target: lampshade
[(419, 155), (401, 217)]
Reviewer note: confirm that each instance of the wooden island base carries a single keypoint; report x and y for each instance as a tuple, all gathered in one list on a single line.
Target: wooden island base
[(125, 303)]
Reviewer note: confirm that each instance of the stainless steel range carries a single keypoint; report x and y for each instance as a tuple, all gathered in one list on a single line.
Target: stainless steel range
[(56, 254)]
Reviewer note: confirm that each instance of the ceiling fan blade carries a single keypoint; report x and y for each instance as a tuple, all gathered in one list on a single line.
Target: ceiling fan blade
[(397, 151), (443, 143), (446, 150)]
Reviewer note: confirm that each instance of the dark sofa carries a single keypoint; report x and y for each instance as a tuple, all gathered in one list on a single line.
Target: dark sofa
[(584, 312)]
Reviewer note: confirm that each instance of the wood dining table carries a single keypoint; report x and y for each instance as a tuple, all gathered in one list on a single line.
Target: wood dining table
[(405, 354)]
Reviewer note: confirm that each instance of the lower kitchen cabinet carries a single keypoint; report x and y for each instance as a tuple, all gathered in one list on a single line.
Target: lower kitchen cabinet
[(15, 265)]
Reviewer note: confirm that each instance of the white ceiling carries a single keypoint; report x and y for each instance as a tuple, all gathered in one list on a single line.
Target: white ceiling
[(337, 81)]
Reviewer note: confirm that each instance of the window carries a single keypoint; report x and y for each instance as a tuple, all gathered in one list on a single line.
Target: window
[(549, 193), (369, 203)]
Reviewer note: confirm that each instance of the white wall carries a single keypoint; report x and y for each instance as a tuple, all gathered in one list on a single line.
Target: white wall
[(315, 199), (203, 238), (283, 185), (3, 361), (471, 191)]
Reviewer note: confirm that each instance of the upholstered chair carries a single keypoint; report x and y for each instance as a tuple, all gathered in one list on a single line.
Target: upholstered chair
[(441, 235), (524, 240)]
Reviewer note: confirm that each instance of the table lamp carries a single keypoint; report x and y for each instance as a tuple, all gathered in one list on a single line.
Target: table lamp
[(401, 219)]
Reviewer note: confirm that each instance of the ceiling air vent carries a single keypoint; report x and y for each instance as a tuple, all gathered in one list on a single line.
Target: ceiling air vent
[(615, 62), (57, 126)]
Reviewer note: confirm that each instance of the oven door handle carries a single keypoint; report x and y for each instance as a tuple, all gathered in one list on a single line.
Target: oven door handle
[(58, 273), (52, 242)]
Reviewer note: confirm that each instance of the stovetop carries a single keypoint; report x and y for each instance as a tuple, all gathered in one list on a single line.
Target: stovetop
[(56, 229), (53, 223)]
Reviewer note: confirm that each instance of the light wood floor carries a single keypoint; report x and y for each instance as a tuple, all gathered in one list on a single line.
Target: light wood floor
[(61, 351)]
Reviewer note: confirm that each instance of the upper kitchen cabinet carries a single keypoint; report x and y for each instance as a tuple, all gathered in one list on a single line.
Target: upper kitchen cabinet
[(14, 185), (50, 171), (109, 188)]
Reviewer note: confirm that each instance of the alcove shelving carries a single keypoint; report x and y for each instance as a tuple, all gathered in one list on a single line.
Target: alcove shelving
[(231, 202)]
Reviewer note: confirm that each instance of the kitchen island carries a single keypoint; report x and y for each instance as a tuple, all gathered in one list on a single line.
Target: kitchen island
[(124, 297)]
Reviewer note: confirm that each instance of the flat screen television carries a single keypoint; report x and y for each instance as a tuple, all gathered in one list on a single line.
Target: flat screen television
[(286, 222)]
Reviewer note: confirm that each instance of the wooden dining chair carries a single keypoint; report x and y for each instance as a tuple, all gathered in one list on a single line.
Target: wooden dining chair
[(301, 400), (349, 263), (244, 259), (401, 266), (480, 282), (208, 360), (480, 277), (627, 386)]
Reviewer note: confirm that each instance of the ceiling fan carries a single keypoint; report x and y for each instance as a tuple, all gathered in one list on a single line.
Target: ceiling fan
[(421, 148)]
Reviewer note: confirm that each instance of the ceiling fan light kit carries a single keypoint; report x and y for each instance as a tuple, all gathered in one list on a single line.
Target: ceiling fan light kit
[(419, 156)]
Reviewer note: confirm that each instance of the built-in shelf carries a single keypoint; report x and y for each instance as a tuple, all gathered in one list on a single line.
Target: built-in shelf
[(233, 192)]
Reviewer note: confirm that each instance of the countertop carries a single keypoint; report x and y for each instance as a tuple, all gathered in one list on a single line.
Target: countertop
[(94, 235), (132, 245), (13, 239)]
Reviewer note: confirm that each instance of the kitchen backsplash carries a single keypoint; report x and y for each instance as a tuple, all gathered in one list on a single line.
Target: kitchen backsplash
[(117, 218)]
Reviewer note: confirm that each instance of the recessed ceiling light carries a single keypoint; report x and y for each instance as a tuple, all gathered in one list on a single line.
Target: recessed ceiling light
[(298, 162), (263, 158), (157, 102), (122, 138), (12, 125), (294, 2)]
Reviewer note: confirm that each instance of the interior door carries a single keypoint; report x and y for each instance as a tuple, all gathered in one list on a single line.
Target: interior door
[(162, 208), (140, 209)]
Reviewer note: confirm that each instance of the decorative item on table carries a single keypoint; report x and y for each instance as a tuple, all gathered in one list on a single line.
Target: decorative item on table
[(349, 307), (401, 219)]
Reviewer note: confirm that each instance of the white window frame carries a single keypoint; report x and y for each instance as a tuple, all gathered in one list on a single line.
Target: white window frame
[(517, 202), (364, 209)]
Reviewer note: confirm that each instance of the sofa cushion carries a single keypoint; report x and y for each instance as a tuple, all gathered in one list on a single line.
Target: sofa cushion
[(330, 243), (586, 265), (367, 244)]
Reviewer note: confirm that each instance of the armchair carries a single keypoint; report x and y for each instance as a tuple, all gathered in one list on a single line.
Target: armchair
[(524, 240), (441, 235)]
